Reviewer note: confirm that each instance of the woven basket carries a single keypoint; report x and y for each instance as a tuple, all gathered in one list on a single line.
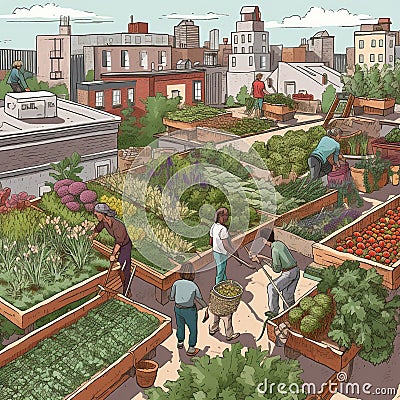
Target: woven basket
[(222, 305)]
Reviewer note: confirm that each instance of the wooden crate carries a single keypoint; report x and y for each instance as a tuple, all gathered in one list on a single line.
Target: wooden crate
[(325, 254), (24, 319), (106, 381), (325, 352)]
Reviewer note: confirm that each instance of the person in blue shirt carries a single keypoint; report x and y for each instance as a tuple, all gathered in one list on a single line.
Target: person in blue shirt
[(184, 292), (16, 79), (327, 154)]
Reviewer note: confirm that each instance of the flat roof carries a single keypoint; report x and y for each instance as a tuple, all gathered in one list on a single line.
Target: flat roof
[(69, 114), (153, 73)]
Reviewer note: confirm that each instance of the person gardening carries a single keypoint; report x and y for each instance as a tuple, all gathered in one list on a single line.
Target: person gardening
[(284, 263), (123, 244), (258, 91), (184, 292), (325, 158), (16, 78), (221, 243)]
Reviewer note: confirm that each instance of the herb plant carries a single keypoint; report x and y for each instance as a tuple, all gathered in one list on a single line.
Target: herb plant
[(363, 315), (66, 169)]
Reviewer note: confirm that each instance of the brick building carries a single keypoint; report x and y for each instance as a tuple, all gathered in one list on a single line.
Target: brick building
[(115, 89)]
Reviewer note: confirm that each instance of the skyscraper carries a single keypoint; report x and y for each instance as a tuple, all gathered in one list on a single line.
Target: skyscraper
[(187, 35)]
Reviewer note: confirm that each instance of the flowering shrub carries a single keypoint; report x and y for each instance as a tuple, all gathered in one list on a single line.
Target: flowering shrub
[(116, 204), (77, 188), (75, 195), (18, 201)]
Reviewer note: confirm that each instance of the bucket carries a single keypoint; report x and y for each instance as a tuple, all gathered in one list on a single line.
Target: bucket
[(339, 176), (146, 373)]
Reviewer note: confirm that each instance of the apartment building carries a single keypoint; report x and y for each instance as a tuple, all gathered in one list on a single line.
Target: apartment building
[(321, 48)]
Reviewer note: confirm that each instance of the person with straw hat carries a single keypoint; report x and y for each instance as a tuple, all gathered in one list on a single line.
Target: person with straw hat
[(122, 245)]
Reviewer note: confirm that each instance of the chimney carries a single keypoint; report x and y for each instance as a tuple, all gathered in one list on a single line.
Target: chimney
[(138, 27), (225, 40), (385, 23), (65, 27), (303, 41)]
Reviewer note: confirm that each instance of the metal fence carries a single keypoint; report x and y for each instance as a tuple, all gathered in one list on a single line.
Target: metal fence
[(28, 57)]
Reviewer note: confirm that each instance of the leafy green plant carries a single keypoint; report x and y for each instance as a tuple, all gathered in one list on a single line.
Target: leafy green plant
[(363, 315), (232, 376), (230, 101), (243, 95), (195, 113), (66, 169), (89, 75), (328, 96), (280, 98), (393, 136), (110, 330)]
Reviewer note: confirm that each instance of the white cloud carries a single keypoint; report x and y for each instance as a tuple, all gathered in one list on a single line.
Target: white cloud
[(319, 17), (208, 16), (51, 11)]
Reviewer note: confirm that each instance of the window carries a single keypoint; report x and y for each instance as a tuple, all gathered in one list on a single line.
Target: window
[(138, 40), (243, 39), (263, 62), (251, 49), (390, 58), (243, 50), (235, 39), (233, 61), (249, 37), (148, 38), (235, 50), (116, 98), (250, 61), (372, 57), (124, 59), (361, 58), (391, 44), (55, 72), (373, 43), (102, 168), (361, 44), (162, 57), (381, 43), (175, 94), (143, 59), (264, 49), (106, 59), (56, 52), (131, 96), (264, 37), (128, 39), (197, 91), (99, 99), (380, 57)]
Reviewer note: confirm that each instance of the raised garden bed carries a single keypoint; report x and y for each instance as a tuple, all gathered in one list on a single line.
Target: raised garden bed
[(325, 252), (375, 106), (388, 150), (93, 368), (278, 112)]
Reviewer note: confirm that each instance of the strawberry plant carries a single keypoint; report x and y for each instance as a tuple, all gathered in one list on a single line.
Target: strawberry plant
[(363, 315)]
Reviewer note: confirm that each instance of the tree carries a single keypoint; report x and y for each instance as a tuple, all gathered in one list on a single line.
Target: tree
[(89, 76), (156, 109), (355, 84), (230, 101), (128, 129), (374, 83), (327, 98), (242, 96)]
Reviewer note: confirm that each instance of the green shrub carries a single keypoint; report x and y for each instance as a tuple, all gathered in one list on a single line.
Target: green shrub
[(230, 101), (307, 303), (295, 315), (20, 224), (243, 95), (280, 98), (318, 312), (309, 325), (327, 98), (393, 136)]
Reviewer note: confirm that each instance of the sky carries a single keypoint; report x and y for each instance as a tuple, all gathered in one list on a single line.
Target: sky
[(287, 22)]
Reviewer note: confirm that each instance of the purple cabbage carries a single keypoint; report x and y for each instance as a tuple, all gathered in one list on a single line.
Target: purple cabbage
[(90, 206), (77, 188), (73, 206), (88, 196), (62, 182), (62, 191)]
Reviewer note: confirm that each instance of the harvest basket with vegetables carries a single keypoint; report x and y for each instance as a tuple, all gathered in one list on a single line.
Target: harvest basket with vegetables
[(225, 298)]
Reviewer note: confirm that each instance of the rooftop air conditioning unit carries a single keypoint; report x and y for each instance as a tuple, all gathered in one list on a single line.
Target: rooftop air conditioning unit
[(28, 105)]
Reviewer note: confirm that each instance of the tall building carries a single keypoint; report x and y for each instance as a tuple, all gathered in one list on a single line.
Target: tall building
[(375, 44), (250, 44), (321, 46), (187, 35)]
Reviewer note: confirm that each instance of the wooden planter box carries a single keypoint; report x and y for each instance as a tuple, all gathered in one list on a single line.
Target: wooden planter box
[(358, 177), (325, 254), (375, 106), (178, 125), (390, 151), (278, 112), (24, 319), (106, 381), (294, 242), (325, 352)]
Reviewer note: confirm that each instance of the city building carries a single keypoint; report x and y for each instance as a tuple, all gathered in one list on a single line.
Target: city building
[(225, 49), (126, 58), (321, 48), (195, 55), (187, 35), (112, 93), (375, 44), (340, 63), (314, 78), (215, 84), (294, 54), (28, 146), (350, 60), (250, 55), (60, 57), (276, 51)]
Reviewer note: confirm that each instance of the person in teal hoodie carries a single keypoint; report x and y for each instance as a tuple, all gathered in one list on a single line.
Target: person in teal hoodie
[(327, 154), (16, 79)]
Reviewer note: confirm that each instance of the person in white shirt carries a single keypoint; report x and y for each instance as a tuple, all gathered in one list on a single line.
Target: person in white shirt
[(220, 241), (222, 248)]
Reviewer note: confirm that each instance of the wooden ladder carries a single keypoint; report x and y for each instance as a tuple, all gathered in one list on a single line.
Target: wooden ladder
[(348, 107), (331, 112)]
